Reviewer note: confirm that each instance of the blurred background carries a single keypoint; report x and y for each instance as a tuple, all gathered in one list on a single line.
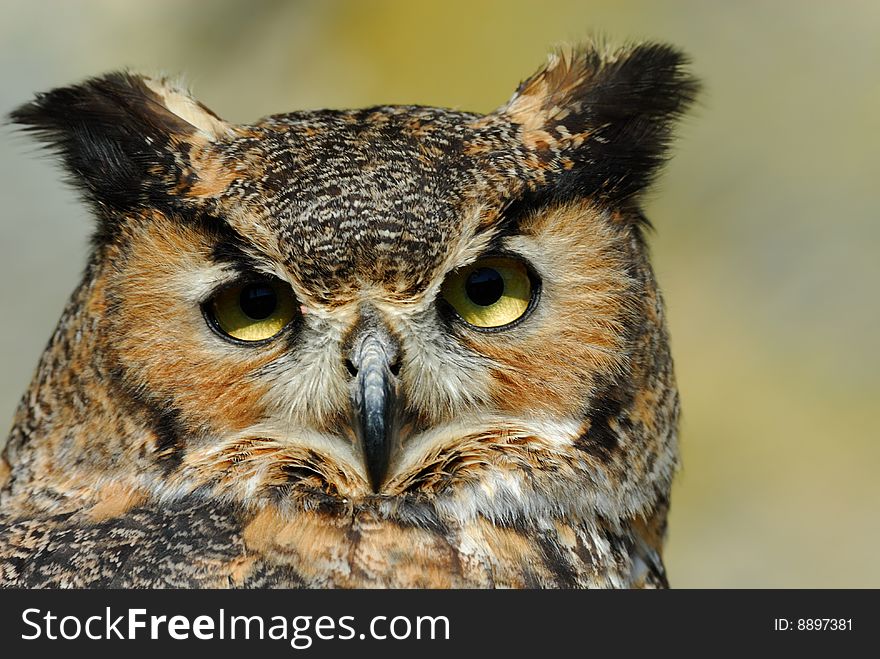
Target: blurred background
[(767, 227)]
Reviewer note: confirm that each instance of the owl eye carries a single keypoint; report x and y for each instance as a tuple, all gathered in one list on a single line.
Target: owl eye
[(252, 311), (490, 293)]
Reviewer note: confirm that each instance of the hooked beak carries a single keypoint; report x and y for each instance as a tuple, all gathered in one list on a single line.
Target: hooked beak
[(373, 363)]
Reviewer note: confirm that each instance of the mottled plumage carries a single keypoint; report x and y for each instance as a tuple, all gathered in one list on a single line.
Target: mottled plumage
[(379, 438)]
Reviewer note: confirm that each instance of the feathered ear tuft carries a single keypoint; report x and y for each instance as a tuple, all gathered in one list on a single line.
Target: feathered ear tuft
[(601, 123), (125, 138)]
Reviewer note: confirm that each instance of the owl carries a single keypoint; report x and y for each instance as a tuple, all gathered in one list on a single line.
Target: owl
[(395, 347)]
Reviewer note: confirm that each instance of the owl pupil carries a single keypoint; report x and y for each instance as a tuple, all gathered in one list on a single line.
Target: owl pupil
[(258, 301), (484, 286)]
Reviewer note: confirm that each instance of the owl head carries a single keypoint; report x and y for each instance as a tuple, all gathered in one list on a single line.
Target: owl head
[(395, 307)]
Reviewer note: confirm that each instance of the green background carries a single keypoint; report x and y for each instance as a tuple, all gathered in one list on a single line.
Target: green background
[(766, 241)]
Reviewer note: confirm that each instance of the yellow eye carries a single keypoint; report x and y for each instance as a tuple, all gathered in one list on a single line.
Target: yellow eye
[(253, 311), (492, 292)]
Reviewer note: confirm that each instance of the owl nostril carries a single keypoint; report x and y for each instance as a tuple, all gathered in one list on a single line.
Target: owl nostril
[(394, 368)]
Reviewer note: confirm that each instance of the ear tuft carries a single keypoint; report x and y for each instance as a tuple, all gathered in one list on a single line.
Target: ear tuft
[(602, 120), (124, 137)]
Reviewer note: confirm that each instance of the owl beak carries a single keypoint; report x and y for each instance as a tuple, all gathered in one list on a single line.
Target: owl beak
[(374, 390)]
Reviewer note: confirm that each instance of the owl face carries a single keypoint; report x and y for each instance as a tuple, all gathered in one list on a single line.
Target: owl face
[(376, 307), (235, 345)]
